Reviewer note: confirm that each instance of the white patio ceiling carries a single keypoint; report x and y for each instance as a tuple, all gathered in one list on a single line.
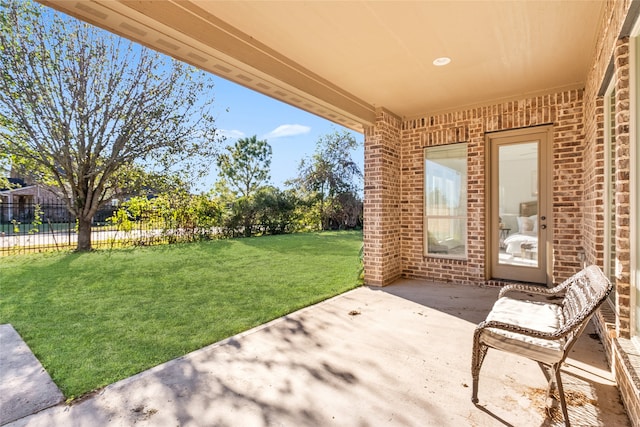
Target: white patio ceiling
[(342, 60)]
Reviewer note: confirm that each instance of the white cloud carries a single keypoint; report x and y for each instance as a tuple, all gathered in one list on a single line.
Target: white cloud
[(288, 130), (231, 134)]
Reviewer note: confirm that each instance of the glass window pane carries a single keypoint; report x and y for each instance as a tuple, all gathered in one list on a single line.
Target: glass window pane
[(446, 180), (518, 204), (446, 200), (447, 236)]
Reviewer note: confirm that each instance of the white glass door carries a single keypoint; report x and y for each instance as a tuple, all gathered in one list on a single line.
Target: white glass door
[(519, 221)]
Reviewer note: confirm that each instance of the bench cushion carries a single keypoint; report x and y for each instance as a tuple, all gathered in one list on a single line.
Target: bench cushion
[(538, 316)]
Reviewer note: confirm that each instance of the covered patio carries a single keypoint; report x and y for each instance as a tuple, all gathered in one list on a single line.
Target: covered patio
[(394, 356), (568, 70)]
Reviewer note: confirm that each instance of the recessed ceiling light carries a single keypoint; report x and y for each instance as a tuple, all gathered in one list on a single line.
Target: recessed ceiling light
[(439, 62)]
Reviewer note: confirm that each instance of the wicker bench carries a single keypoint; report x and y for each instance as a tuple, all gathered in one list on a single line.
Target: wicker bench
[(544, 331)]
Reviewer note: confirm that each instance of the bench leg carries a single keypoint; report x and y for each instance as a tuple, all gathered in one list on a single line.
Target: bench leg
[(479, 352), (563, 403), (555, 382), (549, 374)]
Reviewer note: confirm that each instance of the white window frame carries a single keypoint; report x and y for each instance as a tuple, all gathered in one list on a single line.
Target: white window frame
[(464, 218)]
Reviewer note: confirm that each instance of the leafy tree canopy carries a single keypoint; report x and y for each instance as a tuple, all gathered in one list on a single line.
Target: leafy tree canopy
[(330, 170), (245, 166), (327, 176), (84, 106)]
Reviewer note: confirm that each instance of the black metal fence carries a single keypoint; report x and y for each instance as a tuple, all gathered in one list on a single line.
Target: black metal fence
[(26, 227)]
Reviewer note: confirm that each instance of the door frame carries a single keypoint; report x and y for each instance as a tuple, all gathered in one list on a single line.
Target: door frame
[(545, 199)]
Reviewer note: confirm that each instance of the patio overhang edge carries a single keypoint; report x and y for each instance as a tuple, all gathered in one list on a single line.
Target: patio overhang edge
[(187, 33)]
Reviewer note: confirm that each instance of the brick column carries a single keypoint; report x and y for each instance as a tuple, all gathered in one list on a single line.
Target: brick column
[(382, 187), (622, 189)]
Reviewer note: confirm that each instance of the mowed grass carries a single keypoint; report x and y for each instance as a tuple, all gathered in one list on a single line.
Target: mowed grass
[(98, 317)]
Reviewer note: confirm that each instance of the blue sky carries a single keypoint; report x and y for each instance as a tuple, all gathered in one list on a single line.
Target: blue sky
[(291, 132)]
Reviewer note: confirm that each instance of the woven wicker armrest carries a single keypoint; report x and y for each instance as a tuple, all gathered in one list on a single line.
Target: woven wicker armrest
[(532, 289)]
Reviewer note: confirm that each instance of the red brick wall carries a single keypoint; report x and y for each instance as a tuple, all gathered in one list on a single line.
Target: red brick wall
[(611, 52), (430, 131), (394, 189), (563, 110), (594, 185), (568, 179), (382, 200), (614, 323), (394, 179), (622, 197)]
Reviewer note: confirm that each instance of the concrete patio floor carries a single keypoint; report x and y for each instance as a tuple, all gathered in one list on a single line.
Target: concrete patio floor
[(395, 356)]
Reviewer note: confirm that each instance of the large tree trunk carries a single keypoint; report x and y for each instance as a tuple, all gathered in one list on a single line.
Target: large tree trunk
[(84, 234)]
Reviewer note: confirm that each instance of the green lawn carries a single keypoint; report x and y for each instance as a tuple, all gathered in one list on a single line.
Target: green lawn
[(95, 318)]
